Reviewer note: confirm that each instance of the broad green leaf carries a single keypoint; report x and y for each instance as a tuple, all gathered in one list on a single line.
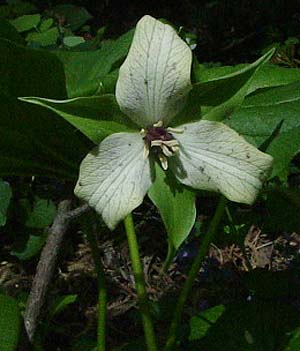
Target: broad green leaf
[(5, 196), (26, 22), (85, 69), (24, 70), (10, 323), (73, 15), (31, 247), (271, 76), (95, 116), (46, 38), (226, 96), (260, 115), (42, 215), (8, 31), (176, 205), (32, 139), (267, 76), (220, 93)]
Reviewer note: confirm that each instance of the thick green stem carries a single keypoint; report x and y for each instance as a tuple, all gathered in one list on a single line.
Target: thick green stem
[(102, 292), (140, 284), (193, 274)]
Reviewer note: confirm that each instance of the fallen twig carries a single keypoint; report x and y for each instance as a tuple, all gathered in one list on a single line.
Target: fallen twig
[(47, 263)]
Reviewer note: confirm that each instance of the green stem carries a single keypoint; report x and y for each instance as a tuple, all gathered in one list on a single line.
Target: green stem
[(170, 255), (102, 292), (193, 274), (140, 284)]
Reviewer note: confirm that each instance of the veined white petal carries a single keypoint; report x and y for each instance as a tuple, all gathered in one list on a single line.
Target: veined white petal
[(154, 80), (214, 157), (114, 177)]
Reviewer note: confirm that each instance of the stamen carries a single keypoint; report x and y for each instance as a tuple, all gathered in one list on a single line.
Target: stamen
[(158, 124), (163, 161), (146, 151), (171, 143), (175, 130), (156, 143), (166, 150), (175, 149)]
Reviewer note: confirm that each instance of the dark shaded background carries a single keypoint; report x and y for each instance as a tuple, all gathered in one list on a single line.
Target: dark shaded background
[(228, 31)]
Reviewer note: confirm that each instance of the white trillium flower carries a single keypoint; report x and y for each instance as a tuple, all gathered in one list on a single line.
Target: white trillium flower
[(153, 84)]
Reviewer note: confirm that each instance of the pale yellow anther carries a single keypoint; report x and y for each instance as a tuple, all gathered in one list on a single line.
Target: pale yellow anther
[(156, 143), (146, 151), (175, 149), (171, 143), (166, 150), (158, 124), (163, 161), (175, 130)]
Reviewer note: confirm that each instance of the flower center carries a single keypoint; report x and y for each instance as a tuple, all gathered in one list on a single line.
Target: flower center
[(160, 142)]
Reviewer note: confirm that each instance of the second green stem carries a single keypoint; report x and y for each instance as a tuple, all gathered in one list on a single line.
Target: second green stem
[(193, 274), (140, 284)]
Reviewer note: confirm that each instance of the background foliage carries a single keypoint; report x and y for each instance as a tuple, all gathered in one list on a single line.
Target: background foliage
[(59, 64)]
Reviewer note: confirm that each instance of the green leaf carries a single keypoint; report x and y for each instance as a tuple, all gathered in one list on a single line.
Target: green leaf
[(72, 41), (46, 38), (5, 196), (176, 205), (260, 115), (247, 326), (294, 342), (32, 139), (201, 323), (46, 24), (220, 93), (26, 22), (10, 323), (23, 72), (280, 198), (95, 116), (42, 215), (74, 16), (271, 76), (60, 304), (85, 69), (227, 94), (267, 76), (31, 247), (8, 31)]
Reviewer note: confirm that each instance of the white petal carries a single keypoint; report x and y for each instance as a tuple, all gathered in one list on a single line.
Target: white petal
[(214, 157), (154, 80), (114, 177)]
